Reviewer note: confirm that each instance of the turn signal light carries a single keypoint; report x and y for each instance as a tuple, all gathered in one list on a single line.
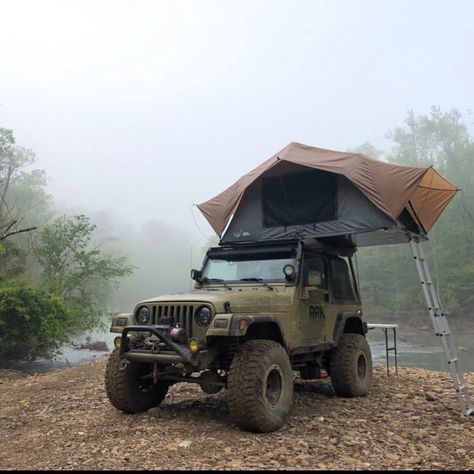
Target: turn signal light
[(242, 325), (118, 342)]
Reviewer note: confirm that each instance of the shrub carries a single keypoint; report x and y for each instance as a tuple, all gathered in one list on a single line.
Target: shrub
[(33, 323)]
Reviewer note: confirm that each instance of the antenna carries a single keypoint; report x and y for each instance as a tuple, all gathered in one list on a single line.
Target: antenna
[(196, 224)]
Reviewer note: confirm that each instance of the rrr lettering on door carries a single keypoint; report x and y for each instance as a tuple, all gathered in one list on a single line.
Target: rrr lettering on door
[(316, 312)]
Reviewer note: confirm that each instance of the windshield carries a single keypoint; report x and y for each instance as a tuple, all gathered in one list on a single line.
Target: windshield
[(244, 268)]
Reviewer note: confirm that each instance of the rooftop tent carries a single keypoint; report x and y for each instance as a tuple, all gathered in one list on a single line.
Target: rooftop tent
[(305, 192)]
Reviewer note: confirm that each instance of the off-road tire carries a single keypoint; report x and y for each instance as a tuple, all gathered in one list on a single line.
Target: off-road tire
[(124, 388), (260, 386), (351, 366)]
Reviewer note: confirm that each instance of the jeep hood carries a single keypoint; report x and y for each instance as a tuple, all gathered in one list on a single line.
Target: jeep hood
[(241, 299)]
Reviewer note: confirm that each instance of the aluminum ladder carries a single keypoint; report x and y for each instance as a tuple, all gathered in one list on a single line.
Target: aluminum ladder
[(440, 324)]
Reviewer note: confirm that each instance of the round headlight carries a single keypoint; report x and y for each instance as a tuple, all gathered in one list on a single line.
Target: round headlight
[(143, 315), (203, 316)]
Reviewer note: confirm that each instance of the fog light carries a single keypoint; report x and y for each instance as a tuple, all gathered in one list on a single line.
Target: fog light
[(118, 342), (193, 345)]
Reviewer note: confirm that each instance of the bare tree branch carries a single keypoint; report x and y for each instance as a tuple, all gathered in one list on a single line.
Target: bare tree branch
[(4, 236), (8, 225)]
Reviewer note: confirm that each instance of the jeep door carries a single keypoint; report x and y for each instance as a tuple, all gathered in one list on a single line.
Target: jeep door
[(313, 306), (341, 286)]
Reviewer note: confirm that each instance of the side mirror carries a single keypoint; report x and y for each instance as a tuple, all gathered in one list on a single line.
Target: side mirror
[(196, 275), (290, 272)]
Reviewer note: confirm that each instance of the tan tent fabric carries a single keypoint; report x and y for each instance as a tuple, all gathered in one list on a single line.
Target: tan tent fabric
[(389, 187), (430, 198)]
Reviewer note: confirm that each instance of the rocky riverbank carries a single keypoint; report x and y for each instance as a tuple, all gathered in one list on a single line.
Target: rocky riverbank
[(63, 420)]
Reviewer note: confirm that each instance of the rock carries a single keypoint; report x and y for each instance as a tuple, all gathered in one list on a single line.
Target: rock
[(94, 345), (401, 396), (185, 444)]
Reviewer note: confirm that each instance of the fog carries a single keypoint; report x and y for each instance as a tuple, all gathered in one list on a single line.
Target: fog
[(137, 110)]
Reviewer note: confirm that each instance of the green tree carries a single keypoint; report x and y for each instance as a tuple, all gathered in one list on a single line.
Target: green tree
[(13, 261), (23, 201), (76, 270), (33, 323)]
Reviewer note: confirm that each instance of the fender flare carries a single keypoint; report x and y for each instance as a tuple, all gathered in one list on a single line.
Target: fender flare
[(252, 322), (351, 320)]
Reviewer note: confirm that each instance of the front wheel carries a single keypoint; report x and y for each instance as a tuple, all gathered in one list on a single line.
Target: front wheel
[(129, 387), (260, 386), (351, 366)]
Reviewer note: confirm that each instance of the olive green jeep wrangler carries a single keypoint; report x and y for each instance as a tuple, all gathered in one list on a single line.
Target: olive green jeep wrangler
[(257, 314)]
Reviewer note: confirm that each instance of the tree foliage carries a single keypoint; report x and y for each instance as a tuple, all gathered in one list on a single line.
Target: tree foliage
[(33, 323), (23, 200), (74, 268)]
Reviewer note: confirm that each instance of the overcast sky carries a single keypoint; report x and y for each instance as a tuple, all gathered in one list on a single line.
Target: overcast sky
[(145, 107)]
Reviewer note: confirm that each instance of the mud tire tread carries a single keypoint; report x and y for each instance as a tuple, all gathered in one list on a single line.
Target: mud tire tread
[(343, 366), (245, 399), (121, 386)]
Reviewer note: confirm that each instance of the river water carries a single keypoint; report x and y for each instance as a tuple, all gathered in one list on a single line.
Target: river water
[(421, 348), (415, 347)]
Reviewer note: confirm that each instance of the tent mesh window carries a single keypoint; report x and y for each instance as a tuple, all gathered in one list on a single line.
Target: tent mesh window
[(299, 198)]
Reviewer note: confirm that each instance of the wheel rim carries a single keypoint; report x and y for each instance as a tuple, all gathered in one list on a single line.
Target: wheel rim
[(273, 385), (361, 366)]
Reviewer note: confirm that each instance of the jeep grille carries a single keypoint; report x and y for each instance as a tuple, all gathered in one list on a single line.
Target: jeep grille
[(182, 314)]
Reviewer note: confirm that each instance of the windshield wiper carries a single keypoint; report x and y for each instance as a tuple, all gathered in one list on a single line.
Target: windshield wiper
[(260, 280), (216, 280)]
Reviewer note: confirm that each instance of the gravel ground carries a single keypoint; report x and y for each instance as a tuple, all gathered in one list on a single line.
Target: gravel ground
[(63, 420)]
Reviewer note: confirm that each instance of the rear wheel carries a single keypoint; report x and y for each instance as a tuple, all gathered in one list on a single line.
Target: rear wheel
[(351, 366), (128, 388), (260, 386)]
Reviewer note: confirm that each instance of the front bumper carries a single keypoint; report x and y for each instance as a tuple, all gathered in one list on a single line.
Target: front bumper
[(167, 351)]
